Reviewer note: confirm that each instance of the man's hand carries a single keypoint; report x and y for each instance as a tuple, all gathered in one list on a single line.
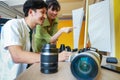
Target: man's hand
[(64, 56)]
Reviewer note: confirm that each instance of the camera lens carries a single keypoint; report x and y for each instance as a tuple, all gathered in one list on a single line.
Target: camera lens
[(86, 65), (49, 59), (62, 47)]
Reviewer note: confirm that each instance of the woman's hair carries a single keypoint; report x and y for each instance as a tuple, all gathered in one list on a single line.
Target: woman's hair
[(33, 4), (54, 4)]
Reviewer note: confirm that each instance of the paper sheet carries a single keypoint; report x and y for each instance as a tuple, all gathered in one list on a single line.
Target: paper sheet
[(77, 15), (98, 27)]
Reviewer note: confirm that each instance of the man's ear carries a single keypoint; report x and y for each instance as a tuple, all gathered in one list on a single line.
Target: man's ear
[(30, 12)]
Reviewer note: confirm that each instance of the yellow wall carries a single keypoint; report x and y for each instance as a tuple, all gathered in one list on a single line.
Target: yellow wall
[(117, 27), (67, 39)]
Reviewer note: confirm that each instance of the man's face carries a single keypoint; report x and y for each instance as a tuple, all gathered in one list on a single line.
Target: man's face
[(40, 15), (52, 14)]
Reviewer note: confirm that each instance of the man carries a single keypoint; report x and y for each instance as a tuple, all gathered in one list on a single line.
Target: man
[(48, 32), (15, 41)]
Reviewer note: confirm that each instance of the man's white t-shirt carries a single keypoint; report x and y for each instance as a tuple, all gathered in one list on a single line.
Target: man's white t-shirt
[(14, 32)]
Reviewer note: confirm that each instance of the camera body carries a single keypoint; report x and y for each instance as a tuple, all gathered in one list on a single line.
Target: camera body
[(86, 64), (49, 59)]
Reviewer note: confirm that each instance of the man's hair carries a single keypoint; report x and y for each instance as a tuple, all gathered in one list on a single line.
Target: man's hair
[(54, 4), (33, 4)]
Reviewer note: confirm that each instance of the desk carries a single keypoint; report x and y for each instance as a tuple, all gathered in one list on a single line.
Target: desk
[(64, 73)]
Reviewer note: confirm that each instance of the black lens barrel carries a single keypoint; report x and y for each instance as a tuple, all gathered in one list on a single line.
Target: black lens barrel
[(49, 59)]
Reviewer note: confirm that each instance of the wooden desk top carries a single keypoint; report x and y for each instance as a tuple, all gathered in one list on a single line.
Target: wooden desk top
[(64, 73)]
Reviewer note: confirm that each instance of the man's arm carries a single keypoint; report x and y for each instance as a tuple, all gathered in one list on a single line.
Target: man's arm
[(20, 56)]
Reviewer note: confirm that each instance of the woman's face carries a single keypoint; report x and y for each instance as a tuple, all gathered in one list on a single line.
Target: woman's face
[(52, 14)]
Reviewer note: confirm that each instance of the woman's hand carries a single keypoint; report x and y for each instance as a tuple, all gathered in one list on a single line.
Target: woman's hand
[(67, 29)]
